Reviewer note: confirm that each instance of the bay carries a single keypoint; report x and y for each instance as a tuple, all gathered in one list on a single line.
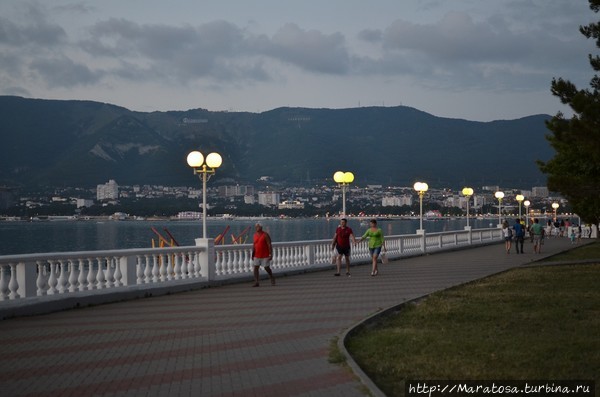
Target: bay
[(89, 235)]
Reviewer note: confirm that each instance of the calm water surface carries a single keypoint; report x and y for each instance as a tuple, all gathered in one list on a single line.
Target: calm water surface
[(58, 236)]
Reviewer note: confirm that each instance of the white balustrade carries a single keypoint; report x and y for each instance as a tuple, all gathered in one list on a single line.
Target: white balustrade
[(100, 272)]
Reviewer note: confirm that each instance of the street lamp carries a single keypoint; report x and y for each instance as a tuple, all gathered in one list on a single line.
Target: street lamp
[(343, 179), (467, 192), (499, 196), (520, 199), (555, 207), (204, 169), (421, 188), (527, 203)]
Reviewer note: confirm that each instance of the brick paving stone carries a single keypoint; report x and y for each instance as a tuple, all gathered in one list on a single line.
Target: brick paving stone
[(227, 341)]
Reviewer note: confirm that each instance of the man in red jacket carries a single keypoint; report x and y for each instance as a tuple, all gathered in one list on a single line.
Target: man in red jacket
[(262, 253), (341, 243)]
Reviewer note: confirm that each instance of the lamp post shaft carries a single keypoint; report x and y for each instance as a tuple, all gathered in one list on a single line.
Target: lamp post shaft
[(343, 200), (468, 210), (204, 204), (421, 210), (499, 211)]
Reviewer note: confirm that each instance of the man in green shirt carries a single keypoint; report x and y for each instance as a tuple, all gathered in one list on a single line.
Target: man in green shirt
[(537, 230)]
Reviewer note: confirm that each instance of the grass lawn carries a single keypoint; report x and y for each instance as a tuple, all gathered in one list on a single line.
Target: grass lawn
[(532, 323)]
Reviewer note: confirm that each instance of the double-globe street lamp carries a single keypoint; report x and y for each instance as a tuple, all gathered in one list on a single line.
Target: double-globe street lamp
[(204, 169), (520, 199), (343, 179), (499, 196), (555, 207), (527, 203), (467, 192), (421, 188)]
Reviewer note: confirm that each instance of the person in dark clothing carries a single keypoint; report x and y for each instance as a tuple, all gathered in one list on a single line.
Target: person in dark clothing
[(519, 236)]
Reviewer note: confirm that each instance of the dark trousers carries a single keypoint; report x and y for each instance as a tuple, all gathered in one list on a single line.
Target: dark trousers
[(519, 244)]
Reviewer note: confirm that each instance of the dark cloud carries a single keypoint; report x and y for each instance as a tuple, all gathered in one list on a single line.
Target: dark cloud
[(371, 35), (63, 72), (217, 49), (311, 50), (456, 38), (36, 33)]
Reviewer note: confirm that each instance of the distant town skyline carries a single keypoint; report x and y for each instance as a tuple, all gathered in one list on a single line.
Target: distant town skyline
[(464, 59)]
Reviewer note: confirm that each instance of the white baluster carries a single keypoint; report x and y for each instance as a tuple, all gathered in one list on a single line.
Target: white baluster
[(41, 282), (72, 277), (139, 270), (100, 277), (235, 265), (118, 275), (155, 270), (165, 267), (110, 278), (184, 258), (91, 275), (247, 265), (219, 263), (62, 276), (52, 280), (228, 257), (196, 264), (148, 268), (3, 283), (82, 276), (13, 285), (177, 267)]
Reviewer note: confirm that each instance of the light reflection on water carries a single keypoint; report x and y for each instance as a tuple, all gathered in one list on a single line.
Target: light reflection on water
[(59, 236)]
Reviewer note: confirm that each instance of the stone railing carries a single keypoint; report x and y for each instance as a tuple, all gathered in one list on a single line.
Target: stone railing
[(99, 276), (235, 260)]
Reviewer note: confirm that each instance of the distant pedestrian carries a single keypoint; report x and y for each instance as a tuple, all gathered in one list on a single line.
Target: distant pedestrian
[(537, 230), (262, 253), (507, 233), (376, 243), (572, 235), (578, 233), (519, 236), (341, 243)]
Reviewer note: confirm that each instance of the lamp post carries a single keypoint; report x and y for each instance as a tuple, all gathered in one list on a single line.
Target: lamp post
[(555, 207), (527, 203), (204, 169), (520, 199), (343, 179), (467, 192), (421, 188), (499, 196)]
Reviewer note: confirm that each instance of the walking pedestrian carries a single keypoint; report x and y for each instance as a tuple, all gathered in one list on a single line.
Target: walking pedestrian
[(376, 243), (341, 243), (537, 230), (519, 236), (262, 253), (507, 233)]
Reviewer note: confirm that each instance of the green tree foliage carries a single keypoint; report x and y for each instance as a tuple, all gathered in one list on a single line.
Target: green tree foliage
[(574, 171)]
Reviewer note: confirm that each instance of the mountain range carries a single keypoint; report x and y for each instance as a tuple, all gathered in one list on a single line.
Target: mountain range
[(85, 143)]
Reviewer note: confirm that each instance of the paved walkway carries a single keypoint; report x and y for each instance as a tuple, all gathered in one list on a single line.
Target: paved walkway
[(227, 341)]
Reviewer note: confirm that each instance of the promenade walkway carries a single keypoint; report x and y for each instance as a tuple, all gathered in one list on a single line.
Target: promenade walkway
[(232, 340)]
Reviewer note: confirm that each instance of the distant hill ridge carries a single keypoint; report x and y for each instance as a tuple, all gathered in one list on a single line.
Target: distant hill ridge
[(84, 143)]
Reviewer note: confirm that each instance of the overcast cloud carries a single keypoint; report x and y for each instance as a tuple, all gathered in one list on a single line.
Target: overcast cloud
[(479, 60)]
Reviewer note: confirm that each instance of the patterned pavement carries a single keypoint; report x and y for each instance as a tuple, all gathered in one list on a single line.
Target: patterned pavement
[(232, 340)]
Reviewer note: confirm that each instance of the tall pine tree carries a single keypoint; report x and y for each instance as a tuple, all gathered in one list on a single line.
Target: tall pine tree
[(574, 171)]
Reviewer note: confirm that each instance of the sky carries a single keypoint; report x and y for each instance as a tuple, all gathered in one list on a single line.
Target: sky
[(478, 60)]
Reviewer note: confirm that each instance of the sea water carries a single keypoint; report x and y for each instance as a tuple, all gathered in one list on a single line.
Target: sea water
[(19, 237)]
